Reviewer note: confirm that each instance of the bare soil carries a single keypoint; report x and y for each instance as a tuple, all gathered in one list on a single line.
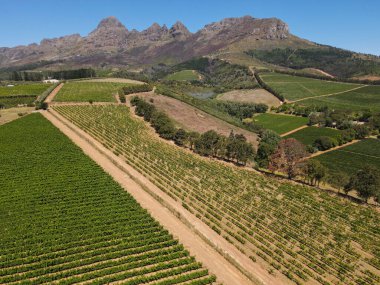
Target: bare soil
[(53, 93), (256, 96), (201, 241), (190, 118), (8, 115)]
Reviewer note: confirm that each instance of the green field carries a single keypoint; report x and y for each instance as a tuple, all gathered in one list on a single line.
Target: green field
[(64, 220), (82, 91), (10, 102), (280, 123), (183, 75), (353, 157), (296, 87), (308, 135), (364, 98), (295, 231), (24, 89)]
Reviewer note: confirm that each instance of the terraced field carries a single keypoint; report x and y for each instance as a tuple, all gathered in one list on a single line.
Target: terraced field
[(21, 94), (64, 221), (308, 135), (296, 88), (183, 75), (299, 234), (280, 123), (353, 157), (83, 91)]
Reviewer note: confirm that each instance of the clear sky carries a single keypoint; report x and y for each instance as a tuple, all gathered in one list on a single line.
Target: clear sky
[(350, 24)]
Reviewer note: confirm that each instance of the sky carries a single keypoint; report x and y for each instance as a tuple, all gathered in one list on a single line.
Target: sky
[(349, 24)]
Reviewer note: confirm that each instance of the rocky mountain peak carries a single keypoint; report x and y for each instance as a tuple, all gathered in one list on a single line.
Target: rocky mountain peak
[(179, 31), (110, 23)]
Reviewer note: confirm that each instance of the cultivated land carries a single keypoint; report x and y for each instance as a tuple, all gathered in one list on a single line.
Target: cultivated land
[(193, 119), (255, 96), (308, 135), (184, 75), (22, 94), (290, 230), (366, 98), (280, 123), (83, 91), (352, 158), (295, 88), (72, 223)]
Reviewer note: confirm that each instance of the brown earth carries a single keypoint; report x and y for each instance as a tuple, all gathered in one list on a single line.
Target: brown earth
[(193, 119), (8, 115), (256, 96), (53, 93), (201, 241)]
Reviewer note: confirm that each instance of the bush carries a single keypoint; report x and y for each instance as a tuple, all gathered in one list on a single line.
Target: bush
[(325, 143)]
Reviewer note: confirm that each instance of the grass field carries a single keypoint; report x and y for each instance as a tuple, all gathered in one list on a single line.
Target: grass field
[(83, 91), (308, 135), (353, 157), (295, 232), (296, 87), (64, 220), (183, 75), (364, 98), (280, 123)]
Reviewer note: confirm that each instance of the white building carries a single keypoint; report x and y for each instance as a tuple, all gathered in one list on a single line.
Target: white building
[(50, 81)]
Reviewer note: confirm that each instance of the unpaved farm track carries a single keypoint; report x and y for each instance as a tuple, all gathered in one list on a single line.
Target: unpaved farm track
[(201, 241), (53, 93)]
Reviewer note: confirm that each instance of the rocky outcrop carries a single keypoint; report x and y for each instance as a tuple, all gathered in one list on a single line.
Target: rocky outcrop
[(112, 43)]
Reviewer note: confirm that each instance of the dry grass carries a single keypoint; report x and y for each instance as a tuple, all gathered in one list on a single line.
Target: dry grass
[(7, 115), (256, 96)]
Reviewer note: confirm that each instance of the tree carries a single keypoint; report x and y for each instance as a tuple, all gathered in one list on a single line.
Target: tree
[(163, 125), (180, 137), (366, 182), (325, 143), (268, 144), (361, 131), (314, 171), (338, 180), (207, 143), (287, 156), (193, 137)]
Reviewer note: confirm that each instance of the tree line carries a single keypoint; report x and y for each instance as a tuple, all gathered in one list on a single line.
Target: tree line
[(131, 89), (234, 148), (61, 74)]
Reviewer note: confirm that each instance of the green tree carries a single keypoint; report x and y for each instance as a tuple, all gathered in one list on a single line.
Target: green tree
[(314, 171), (366, 182), (180, 137), (268, 144)]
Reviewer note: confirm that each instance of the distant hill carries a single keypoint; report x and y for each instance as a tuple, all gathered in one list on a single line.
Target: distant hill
[(244, 40)]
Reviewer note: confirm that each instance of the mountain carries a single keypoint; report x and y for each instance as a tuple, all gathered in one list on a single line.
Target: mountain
[(111, 44)]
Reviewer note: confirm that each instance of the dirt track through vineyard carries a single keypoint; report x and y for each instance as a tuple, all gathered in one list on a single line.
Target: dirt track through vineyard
[(191, 232)]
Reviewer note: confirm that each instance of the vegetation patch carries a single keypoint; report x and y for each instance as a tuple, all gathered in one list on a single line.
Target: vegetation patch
[(279, 123), (308, 135), (70, 222), (184, 75)]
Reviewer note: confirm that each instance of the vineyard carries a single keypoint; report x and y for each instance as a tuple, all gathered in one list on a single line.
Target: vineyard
[(280, 123), (297, 233), (308, 135), (23, 94), (83, 91), (296, 87), (63, 220)]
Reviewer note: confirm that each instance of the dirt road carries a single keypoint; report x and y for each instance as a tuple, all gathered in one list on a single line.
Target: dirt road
[(51, 96), (332, 149), (293, 131), (201, 241)]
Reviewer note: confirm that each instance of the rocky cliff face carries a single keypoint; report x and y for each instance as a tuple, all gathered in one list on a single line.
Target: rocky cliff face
[(111, 43)]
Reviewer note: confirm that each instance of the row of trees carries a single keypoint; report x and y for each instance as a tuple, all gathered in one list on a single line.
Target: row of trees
[(61, 75), (131, 89), (241, 110), (234, 148)]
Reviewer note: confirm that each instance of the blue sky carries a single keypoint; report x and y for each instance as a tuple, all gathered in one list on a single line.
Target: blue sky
[(349, 24)]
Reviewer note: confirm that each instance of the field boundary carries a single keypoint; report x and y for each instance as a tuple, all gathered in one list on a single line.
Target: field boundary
[(242, 265), (53, 93), (318, 153), (294, 131)]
